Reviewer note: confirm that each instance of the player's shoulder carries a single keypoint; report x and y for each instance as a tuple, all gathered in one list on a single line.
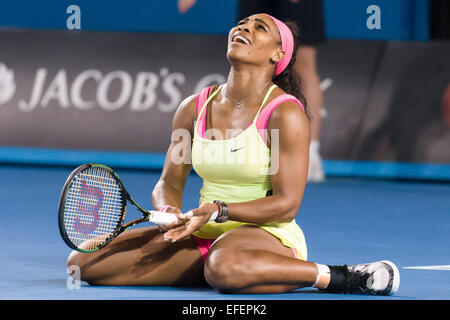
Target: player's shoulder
[(185, 114), (188, 106), (287, 111)]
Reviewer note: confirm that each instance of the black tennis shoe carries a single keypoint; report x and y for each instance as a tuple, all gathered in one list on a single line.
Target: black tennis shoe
[(377, 278)]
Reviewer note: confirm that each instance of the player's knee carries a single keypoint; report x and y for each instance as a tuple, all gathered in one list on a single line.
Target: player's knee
[(225, 270), (73, 259), (76, 263)]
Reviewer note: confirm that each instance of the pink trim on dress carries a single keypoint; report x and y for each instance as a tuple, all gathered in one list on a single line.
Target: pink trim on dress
[(294, 251), (261, 121), (264, 115), (201, 99), (203, 245)]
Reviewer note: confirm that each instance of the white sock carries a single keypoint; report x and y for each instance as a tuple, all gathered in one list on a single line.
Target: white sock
[(314, 147), (323, 274)]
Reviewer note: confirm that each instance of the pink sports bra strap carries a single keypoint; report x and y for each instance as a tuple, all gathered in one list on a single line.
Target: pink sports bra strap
[(264, 115), (201, 98)]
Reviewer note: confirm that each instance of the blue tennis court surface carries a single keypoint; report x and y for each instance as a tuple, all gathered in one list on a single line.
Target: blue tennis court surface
[(344, 221)]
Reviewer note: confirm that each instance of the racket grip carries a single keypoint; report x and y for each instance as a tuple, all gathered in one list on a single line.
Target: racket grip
[(212, 218), (161, 218)]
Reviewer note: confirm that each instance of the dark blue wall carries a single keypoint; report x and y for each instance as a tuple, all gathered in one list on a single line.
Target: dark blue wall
[(400, 19)]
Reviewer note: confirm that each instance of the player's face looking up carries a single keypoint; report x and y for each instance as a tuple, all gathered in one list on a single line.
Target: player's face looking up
[(255, 41)]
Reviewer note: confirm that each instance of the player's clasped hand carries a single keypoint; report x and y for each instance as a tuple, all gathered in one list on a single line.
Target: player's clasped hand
[(189, 222), (177, 212)]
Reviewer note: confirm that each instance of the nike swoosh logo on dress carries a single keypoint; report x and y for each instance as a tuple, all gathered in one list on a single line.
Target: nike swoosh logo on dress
[(234, 150)]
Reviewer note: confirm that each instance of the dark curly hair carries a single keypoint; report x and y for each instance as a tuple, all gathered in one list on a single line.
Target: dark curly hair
[(289, 80)]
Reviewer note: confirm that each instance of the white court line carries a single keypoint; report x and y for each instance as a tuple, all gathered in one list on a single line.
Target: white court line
[(445, 268)]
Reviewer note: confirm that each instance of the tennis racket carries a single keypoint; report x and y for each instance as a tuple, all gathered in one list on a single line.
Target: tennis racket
[(92, 208)]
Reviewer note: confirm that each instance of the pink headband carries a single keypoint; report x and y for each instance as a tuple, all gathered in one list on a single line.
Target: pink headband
[(287, 44)]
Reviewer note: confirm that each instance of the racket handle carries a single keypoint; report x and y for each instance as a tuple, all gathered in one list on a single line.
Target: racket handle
[(212, 218), (161, 218)]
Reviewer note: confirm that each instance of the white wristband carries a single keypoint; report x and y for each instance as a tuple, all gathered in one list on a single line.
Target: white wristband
[(214, 216)]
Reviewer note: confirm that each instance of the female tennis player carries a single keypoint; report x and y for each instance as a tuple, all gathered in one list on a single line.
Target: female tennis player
[(250, 145)]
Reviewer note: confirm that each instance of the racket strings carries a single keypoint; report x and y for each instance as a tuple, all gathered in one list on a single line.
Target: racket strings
[(93, 208)]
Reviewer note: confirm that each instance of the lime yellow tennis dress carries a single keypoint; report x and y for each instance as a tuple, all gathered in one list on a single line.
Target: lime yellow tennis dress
[(238, 170)]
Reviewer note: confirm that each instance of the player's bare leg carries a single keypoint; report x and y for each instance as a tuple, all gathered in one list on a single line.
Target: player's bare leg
[(248, 259), (141, 257)]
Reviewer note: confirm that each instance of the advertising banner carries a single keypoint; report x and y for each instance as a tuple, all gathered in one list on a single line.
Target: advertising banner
[(384, 101), (101, 91)]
